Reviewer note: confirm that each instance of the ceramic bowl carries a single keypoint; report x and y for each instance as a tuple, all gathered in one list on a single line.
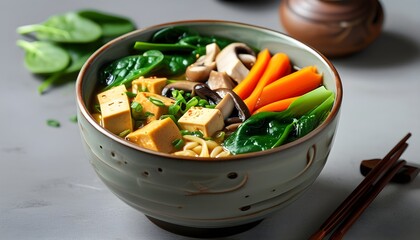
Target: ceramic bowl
[(199, 197)]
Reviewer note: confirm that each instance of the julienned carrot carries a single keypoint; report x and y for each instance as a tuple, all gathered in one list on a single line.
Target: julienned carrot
[(244, 88), (292, 85), (278, 66), (277, 106)]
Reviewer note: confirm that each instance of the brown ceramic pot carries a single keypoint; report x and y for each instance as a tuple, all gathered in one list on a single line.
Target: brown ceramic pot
[(336, 28)]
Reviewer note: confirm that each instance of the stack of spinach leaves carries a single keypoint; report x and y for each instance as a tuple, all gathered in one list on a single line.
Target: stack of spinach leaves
[(64, 42)]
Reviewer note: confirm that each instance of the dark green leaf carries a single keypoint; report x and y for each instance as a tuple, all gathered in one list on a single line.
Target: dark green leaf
[(112, 25), (172, 34), (65, 28), (123, 71), (267, 130), (44, 57)]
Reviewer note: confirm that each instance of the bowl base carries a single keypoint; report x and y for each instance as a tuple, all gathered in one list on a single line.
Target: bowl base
[(198, 232)]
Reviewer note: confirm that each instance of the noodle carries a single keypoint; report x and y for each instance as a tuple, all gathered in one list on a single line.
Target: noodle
[(198, 147)]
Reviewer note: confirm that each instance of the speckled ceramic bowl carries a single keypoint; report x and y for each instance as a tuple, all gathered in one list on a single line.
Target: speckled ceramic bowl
[(207, 197)]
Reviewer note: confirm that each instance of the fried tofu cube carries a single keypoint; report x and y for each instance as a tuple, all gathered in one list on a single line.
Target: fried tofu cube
[(115, 110), (206, 120), (153, 85), (154, 105), (158, 135), (111, 94)]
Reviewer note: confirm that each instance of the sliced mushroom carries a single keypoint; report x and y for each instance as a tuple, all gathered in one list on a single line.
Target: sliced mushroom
[(219, 80), (243, 111), (203, 91), (200, 70), (247, 59), (179, 85), (226, 106), (228, 61), (232, 127), (225, 99)]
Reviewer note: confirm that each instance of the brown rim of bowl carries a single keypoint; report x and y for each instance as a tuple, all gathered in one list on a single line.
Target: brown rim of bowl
[(333, 114)]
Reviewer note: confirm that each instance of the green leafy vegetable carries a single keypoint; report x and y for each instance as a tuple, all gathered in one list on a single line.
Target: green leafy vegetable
[(172, 34), (66, 41), (78, 57), (111, 25), (44, 57), (125, 70), (65, 28), (187, 36), (144, 46), (267, 130), (169, 53)]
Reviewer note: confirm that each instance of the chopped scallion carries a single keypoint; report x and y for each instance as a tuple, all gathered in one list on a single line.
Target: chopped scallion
[(124, 133), (156, 102), (192, 102), (131, 94), (73, 119), (178, 143), (53, 123), (149, 114)]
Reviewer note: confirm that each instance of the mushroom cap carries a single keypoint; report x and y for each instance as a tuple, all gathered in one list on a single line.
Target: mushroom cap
[(228, 61), (200, 70)]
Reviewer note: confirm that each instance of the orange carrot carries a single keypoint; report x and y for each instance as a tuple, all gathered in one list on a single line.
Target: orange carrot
[(278, 66), (292, 85), (244, 88), (277, 106)]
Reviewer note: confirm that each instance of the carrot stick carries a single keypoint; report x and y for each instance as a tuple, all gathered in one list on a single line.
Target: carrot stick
[(278, 66), (292, 85), (277, 106), (244, 88)]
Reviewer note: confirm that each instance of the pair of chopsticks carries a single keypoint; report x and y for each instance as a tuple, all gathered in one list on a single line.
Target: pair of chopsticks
[(353, 206)]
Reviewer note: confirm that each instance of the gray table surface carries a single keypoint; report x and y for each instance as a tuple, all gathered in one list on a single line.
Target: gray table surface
[(48, 190)]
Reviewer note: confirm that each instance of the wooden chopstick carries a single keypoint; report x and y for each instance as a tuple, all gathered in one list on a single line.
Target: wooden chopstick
[(347, 205), (366, 201)]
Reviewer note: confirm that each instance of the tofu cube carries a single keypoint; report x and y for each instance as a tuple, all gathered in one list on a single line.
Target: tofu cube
[(153, 85), (115, 110), (206, 120), (157, 135), (151, 108), (112, 94)]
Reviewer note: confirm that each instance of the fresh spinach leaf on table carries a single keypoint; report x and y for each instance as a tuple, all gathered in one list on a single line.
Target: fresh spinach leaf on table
[(44, 57), (68, 27), (64, 42)]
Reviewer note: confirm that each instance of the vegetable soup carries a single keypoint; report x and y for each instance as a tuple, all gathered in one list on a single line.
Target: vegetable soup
[(187, 94)]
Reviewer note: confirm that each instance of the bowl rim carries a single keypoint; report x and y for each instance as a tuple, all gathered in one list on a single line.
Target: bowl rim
[(89, 118)]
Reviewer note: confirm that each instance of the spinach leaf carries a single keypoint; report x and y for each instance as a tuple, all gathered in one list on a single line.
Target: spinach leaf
[(44, 57), (67, 28), (111, 25), (78, 56), (144, 46), (202, 41), (125, 70), (172, 34), (181, 47), (66, 41), (267, 130), (175, 65)]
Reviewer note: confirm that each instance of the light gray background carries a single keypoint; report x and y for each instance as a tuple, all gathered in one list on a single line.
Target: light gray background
[(48, 190)]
